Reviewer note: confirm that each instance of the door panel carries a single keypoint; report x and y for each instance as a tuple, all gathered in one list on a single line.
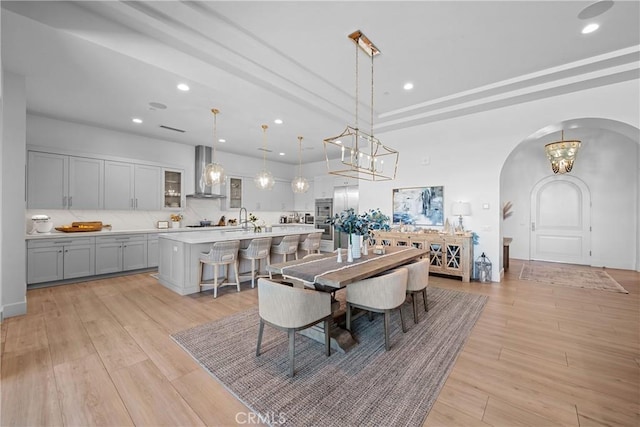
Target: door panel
[(560, 220)]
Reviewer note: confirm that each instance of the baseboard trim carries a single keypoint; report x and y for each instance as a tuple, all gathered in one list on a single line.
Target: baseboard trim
[(15, 309)]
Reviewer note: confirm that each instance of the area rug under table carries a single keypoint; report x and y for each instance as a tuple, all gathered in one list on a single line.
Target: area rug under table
[(366, 386), (574, 276)]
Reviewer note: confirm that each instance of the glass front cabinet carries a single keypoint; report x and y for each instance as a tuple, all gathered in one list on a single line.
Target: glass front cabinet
[(173, 189), (448, 254)]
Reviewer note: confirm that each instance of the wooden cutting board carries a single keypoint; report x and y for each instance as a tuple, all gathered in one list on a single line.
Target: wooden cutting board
[(83, 226)]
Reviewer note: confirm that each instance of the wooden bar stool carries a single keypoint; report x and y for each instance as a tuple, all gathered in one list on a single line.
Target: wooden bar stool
[(221, 254), (258, 249)]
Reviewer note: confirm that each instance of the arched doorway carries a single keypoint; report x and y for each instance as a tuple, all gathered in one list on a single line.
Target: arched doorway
[(560, 220)]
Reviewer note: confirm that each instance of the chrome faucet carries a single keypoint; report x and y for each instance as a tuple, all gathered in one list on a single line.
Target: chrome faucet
[(244, 224)]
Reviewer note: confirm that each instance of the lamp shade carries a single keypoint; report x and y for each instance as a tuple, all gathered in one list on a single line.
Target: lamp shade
[(461, 208)]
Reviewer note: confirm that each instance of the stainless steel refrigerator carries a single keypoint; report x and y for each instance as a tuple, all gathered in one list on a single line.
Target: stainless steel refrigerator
[(344, 198)]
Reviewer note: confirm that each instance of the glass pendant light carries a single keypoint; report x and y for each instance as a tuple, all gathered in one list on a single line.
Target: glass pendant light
[(213, 172), (264, 180), (300, 183)]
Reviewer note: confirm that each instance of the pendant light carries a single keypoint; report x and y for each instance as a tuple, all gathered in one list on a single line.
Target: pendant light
[(300, 183), (264, 180), (213, 172), (354, 153), (562, 154)]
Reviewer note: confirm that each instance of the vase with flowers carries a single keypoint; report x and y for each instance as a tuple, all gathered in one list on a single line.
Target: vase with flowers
[(257, 223)]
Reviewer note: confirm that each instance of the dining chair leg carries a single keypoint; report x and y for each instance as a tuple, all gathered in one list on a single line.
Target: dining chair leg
[(292, 349), (404, 327), (260, 329), (370, 315), (348, 319), (424, 298), (386, 330), (327, 336), (414, 301)]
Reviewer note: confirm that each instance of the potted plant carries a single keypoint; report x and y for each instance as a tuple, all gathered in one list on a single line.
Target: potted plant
[(175, 220)]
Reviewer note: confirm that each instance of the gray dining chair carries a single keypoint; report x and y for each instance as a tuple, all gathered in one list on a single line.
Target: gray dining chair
[(380, 294), (292, 309), (221, 254)]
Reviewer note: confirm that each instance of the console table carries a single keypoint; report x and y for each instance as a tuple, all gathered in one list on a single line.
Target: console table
[(450, 255)]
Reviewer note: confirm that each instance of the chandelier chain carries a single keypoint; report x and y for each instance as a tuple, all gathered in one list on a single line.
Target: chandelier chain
[(300, 155), (264, 146), (215, 112)]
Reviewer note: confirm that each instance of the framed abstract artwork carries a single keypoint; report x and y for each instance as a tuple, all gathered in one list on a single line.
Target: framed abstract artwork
[(419, 206)]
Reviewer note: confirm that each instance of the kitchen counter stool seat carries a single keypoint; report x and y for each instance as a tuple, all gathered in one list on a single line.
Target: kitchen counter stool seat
[(221, 254), (287, 246), (257, 250), (311, 243)]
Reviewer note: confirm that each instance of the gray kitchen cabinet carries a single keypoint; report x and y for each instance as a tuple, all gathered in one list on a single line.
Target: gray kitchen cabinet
[(129, 186), (305, 201), (50, 260), (58, 181), (323, 186), (152, 250), (121, 253), (281, 197)]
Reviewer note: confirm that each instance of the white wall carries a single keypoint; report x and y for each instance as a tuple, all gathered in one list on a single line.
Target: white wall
[(466, 154), (13, 247), (608, 164)]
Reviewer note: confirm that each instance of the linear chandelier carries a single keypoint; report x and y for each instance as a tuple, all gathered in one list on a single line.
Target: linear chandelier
[(562, 154), (354, 153)]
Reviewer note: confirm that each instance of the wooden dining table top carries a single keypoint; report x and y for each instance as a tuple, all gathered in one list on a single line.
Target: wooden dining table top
[(326, 272)]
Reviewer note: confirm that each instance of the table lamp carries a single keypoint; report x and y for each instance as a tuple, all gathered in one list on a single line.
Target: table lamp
[(461, 209)]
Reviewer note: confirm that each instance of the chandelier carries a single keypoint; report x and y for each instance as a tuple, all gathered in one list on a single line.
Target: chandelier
[(300, 183), (213, 172), (264, 180), (562, 154), (354, 153)]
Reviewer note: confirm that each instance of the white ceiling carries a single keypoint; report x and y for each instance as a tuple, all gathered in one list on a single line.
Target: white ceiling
[(102, 63)]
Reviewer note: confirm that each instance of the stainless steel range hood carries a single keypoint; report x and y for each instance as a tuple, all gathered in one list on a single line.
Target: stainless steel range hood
[(203, 157)]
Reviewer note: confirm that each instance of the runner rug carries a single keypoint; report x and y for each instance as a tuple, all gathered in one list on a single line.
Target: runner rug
[(366, 386), (574, 276)]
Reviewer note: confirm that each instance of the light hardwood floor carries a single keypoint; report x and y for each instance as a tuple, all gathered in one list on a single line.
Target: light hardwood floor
[(100, 353)]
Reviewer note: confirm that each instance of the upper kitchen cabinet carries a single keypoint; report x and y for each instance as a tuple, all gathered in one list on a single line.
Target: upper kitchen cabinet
[(58, 181), (323, 186), (305, 201), (129, 186), (173, 189)]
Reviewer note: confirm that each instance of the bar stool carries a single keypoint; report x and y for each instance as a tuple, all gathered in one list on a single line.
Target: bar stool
[(288, 246), (311, 243), (258, 249), (220, 254)]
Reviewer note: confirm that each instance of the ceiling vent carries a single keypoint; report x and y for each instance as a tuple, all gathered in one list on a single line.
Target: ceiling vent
[(173, 129)]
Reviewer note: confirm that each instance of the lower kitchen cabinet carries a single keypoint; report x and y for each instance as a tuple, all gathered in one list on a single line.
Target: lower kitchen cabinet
[(121, 253), (58, 259), (152, 250)]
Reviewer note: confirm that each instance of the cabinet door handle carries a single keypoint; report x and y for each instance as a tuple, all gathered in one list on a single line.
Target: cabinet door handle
[(136, 203), (131, 203), (64, 201), (533, 226), (70, 201)]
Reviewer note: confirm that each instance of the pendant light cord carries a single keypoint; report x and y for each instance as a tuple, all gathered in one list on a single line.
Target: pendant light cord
[(215, 112), (300, 155), (264, 146)]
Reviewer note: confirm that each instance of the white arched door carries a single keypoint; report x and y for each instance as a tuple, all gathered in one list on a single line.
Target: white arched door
[(561, 220)]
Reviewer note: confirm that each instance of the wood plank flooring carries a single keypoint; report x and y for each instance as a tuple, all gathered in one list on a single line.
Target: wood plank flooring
[(100, 353)]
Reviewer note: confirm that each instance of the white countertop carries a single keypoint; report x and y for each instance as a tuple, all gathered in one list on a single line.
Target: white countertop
[(55, 234), (226, 235)]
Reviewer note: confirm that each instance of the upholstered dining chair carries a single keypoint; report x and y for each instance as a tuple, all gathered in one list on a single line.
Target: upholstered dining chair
[(417, 283), (381, 294), (311, 243), (287, 246), (221, 254), (257, 250), (292, 309)]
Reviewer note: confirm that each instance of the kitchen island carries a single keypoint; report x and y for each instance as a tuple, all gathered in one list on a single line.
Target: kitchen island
[(179, 253)]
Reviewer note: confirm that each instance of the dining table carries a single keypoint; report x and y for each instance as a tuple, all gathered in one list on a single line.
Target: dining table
[(325, 273)]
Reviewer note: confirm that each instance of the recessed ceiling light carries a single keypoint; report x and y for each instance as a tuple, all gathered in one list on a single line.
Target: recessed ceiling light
[(282, 154), (590, 28), (136, 120), (222, 140), (408, 86), (278, 121), (595, 9), (183, 87)]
